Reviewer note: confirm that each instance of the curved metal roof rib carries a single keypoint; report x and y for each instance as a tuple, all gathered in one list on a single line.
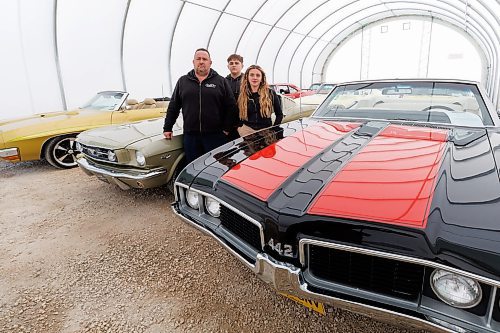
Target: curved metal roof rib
[(312, 23)]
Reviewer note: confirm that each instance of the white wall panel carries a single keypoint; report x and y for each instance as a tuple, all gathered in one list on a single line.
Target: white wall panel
[(297, 13), (283, 59), (308, 66), (297, 75), (29, 78), (224, 41), (89, 36), (244, 8), (250, 41), (14, 88), (215, 4), (269, 51), (146, 46), (272, 10), (190, 34), (37, 32)]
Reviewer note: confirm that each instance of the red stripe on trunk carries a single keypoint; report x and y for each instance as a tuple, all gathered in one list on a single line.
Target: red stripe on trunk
[(263, 172), (391, 180)]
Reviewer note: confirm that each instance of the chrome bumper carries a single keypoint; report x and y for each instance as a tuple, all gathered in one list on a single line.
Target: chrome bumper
[(124, 180), (285, 278)]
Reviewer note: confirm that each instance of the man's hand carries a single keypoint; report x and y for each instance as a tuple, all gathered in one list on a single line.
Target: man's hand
[(167, 135)]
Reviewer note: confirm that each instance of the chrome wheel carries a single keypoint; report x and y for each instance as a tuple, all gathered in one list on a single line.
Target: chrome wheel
[(61, 152)]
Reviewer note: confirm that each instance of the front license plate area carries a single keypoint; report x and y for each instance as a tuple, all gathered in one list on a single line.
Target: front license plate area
[(311, 305)]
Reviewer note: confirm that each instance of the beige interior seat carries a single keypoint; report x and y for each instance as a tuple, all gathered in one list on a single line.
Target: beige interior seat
[(148, 103), (132, 104)]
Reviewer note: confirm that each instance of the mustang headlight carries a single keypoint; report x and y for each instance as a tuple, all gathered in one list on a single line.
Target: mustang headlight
[(141, 160), (111, 156), (212, 206), (192, 199), (456, 290)]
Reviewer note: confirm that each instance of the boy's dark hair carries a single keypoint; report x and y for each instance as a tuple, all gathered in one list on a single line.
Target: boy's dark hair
[(235, 56), (203, 49)]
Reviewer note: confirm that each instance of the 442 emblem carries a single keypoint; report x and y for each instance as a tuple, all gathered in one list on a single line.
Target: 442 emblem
[(283, 249)]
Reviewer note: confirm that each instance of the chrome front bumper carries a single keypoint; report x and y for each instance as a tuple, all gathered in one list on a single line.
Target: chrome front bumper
[(286, 278), (123, 178)]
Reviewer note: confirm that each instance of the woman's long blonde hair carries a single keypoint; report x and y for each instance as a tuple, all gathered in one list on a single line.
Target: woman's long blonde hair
[(265, 98)]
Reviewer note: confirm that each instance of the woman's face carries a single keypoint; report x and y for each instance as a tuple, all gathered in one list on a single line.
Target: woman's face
[(254, 79)]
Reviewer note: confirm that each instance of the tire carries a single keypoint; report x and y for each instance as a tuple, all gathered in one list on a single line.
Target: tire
[(177, 171), (61, 152)]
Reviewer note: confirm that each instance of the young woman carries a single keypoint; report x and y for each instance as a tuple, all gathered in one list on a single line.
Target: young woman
[(257, 102)]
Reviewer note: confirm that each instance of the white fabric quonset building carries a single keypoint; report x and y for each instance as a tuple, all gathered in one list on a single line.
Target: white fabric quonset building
[(59, 53)]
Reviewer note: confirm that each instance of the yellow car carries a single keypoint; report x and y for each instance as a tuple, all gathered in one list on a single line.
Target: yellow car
[(51, 135)]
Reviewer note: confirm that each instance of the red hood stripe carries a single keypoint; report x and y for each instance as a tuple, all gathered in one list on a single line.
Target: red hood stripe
[(263, 172), (391, 180)]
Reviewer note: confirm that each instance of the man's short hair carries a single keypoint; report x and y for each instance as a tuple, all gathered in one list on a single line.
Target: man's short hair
[(235, 56), (204, 50)]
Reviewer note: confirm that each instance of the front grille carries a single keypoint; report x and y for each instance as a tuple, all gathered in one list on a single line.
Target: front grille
[(379, 275), (240, 227), (95, 152)]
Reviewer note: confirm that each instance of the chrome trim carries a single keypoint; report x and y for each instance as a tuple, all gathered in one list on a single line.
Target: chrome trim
[(208, 233), (240, 213), (8, 152), (491, 306), (286, 278), (392, 256), (83, 163)]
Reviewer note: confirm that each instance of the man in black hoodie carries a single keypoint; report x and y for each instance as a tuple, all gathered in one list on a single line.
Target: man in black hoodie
[(235, 65), (208, 107)]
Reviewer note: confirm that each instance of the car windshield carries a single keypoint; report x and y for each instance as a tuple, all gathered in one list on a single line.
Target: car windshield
[(314, 86), (325, 88), (106, 100), (434, 102)]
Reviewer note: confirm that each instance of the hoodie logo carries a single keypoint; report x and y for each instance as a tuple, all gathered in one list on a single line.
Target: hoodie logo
[(210, 85)]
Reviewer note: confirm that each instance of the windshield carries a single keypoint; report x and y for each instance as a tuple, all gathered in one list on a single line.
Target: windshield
[(106, 100), (325, 88), (314, 86), (434, 102)]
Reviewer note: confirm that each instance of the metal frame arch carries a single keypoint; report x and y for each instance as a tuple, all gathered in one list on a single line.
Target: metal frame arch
[(222, 12), (484, 48), (307, 35), (124, 22), (272, 28), (483, 52), (58, 64), (248, 24), (290, 32), (170, 48)]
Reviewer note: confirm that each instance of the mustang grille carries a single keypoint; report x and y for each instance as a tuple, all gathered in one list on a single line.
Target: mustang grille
[(95, 152), (384, 276), (240, 227)]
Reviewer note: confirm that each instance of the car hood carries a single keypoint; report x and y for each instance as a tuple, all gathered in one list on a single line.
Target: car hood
[(40, 124), (438, 185), (122, 136)]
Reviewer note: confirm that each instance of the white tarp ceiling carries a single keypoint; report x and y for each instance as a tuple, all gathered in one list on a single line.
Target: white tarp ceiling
[(56, 54)]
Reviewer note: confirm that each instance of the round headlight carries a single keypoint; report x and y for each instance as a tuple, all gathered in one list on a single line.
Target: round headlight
[(456, 290), (141, 160), (213, 207), (111, 156), (192, 199)]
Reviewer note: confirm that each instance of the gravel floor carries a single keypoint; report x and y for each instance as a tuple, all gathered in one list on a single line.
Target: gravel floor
[(80, 255)]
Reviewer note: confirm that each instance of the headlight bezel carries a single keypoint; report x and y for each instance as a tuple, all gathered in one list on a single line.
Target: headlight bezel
[(456, 277), (112, 156)]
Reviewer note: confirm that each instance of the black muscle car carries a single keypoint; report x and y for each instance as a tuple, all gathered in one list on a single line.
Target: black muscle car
[(385, 202)]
